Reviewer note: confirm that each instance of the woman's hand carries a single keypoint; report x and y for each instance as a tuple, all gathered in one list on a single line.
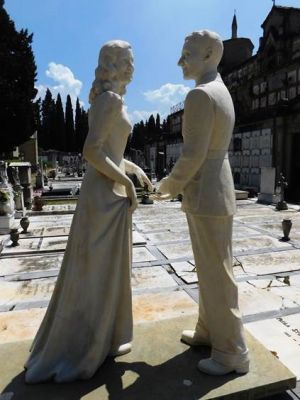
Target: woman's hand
[(131, 194), (143, 178), (132, 168)]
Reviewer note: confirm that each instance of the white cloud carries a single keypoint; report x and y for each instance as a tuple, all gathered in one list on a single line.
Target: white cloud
[(66, 83), (139, 115), (167, 96)]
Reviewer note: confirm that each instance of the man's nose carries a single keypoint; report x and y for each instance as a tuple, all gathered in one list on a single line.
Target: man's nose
[(180, 62)]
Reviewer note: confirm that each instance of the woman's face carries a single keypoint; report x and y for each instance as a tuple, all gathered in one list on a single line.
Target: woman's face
[(125, 66)]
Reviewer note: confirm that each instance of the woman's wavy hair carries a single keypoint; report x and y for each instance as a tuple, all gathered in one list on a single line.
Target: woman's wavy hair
[(106, 71)]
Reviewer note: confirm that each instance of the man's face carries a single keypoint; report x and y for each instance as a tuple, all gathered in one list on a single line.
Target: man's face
[(192, 59)]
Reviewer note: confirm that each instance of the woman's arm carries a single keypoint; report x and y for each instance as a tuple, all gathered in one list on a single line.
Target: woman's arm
[(102, 116), (132, 168)]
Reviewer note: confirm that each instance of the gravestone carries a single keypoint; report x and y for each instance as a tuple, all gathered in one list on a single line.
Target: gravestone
[(7, 214), (25, 181), (267, 186)]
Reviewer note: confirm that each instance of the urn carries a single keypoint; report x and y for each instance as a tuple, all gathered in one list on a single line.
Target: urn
[(286, 227), (24, 224), (14, 236), (37, 203)]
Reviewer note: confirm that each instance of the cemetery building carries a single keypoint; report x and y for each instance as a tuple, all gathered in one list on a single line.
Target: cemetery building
[(265, 88)]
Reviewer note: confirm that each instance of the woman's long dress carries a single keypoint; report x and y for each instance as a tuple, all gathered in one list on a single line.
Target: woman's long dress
[(90, 312)]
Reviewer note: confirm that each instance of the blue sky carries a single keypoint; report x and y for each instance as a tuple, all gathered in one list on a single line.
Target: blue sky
[(69, 33)]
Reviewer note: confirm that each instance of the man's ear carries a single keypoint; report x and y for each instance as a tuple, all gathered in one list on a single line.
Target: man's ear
[(208, 53)]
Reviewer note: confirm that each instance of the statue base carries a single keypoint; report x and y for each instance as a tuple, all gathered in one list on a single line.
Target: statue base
[(158, 367)]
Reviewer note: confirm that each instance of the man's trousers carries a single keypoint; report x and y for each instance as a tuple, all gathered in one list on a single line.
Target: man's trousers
[(219, 315)]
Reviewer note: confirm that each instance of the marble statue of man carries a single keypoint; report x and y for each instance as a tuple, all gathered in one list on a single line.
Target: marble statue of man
[(203, 175)]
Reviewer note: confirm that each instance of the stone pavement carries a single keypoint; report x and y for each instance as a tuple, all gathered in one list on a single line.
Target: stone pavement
[(164, 280)]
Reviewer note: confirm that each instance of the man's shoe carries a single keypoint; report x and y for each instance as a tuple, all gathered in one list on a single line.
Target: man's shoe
[(121, 350), (211, 367), (193, 338)]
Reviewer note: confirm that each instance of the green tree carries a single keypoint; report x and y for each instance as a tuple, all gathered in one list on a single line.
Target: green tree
[(138, 136), (59, 133), (84, 128), (157, 124), (151, 128), (69, 121), (78, 126), (48, 122), (17, 78)]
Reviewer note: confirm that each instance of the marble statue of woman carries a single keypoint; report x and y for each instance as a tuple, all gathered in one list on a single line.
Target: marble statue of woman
[(90, 313)]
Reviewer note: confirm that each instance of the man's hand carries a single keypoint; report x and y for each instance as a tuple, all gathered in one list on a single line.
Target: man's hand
[(166, 186), (161, 197), (163, 190)]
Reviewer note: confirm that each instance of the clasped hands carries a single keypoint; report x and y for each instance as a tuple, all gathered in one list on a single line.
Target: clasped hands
[(164, 190), (130, 189)]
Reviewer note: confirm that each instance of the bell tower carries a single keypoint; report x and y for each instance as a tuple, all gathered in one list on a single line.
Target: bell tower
[(234, 27)]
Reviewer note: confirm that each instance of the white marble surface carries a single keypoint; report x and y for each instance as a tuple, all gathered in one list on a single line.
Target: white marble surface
[(281, 335)]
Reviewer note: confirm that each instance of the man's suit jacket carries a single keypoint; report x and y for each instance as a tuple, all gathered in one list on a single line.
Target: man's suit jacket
[(202, 172)]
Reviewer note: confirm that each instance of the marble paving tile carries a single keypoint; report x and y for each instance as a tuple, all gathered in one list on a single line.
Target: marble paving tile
[(151, 278), (264, 242), (269, 219), (141, 254), (295, 237), (137, 238), (281, 335), (20, 264), (166, 225), (47, 231), (159, 306), (32, 232), (56, 243), (176, 250), (17, 292), (55, 219), (168, 236), (277, 228), (185, 271), (258, 210), (20, 325), (243, 231), (25, 245), (288, 290), (271, 263), (59, 207), (56, 231), (253, 300)]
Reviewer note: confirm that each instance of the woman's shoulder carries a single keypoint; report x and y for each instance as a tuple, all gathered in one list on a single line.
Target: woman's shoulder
[(109, 100)]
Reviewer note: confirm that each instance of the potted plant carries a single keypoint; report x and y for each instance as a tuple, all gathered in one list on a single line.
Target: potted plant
[(5, 206)]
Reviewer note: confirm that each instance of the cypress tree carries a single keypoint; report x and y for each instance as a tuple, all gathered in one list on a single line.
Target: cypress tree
[(37, 115), (84, 127), (78, 126), (48, 122), (151, 128), (17, 78), (59, 134), (69, 123), (157, 124)]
